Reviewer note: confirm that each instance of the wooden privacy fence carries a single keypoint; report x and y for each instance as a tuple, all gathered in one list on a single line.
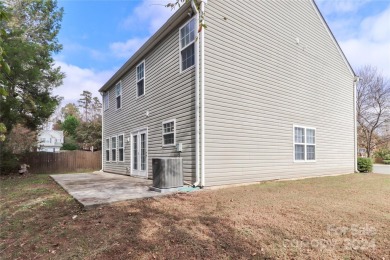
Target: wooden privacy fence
[(70, 161)]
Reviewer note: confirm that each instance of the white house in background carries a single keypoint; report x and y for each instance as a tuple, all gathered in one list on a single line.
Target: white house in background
[(50, 141)]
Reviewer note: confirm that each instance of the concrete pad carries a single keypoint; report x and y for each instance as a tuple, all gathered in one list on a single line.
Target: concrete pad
[(381, 168), (98, 188)]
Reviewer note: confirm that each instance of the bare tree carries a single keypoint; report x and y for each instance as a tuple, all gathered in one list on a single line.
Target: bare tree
[(373, 106)]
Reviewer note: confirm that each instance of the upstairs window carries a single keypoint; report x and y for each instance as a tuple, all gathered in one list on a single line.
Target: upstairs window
[(118, 92), (169, 133), (120, 148), (140, 79), (113, 148), (187, 45), (107, 149), (106, 100), (304, 144)]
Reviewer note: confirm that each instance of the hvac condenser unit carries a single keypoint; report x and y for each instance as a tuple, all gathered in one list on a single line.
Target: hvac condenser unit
[(167, 172)]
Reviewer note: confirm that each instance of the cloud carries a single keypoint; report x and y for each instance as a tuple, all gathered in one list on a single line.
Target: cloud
[(150, 12), (365, 39), (78, 79), (377, 28), (144, 20), (363, 52), (372, 43), (127, 48)]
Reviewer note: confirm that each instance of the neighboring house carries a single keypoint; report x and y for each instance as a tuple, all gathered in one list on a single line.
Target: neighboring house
[(276, 97), (50, 141)]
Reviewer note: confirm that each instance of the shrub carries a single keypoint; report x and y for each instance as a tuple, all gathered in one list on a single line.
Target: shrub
[(9, 162), (384, 154), (69, 144), (364, 164), (386, 159)]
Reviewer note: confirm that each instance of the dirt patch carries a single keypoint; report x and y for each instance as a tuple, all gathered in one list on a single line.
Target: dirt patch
[(344, 217)]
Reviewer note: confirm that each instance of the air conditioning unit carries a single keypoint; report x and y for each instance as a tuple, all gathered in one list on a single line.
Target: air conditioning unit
[(167, 172)]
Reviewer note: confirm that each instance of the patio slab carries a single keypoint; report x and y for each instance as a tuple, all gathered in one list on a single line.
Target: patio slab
[(98, 188)]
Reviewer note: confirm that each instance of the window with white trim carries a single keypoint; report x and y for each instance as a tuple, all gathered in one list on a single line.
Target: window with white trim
[(121, 147), (187, 45), (113, 149), (107, 149), (304, 144), (106, 100), (118, 93), (169, 132), (140, 78)]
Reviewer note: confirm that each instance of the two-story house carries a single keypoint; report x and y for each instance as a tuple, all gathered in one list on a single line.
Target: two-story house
[(50, 141), (265, 92)]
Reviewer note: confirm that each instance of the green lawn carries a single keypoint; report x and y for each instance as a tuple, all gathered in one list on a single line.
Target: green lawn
[(343, 217)]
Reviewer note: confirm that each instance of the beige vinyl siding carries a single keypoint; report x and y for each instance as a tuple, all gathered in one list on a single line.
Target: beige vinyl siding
[(169, 94), (259, 82)]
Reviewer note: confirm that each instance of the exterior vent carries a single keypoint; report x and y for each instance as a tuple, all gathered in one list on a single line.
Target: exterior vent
[(167, 172)]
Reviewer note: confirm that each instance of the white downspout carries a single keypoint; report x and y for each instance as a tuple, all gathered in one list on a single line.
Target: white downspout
[(103, 143), (202, 183), (355, 82), (197, 181)]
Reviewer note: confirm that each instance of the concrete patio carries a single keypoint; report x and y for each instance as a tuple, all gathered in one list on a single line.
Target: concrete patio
[(94, 189)]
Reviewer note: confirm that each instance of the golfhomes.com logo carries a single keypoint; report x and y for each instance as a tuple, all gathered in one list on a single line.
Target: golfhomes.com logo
[(353, 237)]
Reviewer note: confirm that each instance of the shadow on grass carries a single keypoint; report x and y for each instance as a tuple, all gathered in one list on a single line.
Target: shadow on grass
[(150, 232)]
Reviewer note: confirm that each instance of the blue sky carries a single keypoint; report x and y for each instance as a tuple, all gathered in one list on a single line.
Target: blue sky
[(98, 36)]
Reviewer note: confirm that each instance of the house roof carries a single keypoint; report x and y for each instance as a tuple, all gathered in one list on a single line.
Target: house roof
[(172, 22), (52, 133), (333, 37)]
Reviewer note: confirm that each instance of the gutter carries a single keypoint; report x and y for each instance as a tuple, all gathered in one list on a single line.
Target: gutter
[(202, 6), (199, 44), (197, 173), (103, 140), (355, 82)]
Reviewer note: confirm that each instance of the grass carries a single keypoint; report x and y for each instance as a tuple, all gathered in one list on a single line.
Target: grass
[(343, 217)]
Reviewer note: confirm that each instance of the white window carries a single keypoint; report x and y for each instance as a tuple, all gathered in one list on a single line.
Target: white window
[(169, 132), (118, 92), (187, 45), (121, 147), (107, 149), (106, 100), (113, 149), (304, 144), (140, 79)]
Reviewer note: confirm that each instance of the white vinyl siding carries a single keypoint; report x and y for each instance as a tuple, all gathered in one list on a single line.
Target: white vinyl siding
[(113, 149), (140, 74), (106, 100), (169, 132), (187, 45), (254, 51), (118, 95), (304, 144)]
